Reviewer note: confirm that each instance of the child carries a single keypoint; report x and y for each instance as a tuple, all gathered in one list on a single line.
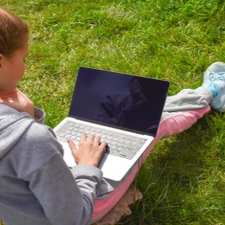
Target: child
[(36, 186)]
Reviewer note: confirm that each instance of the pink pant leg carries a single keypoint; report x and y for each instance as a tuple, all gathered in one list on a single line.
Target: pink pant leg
[(176, 124), (168, 126)]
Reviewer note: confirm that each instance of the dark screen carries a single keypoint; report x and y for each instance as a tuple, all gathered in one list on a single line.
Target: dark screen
[(119, 100)]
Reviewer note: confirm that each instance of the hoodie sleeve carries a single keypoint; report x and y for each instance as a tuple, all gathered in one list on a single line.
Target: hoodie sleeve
[(67, 197), (64, 202)]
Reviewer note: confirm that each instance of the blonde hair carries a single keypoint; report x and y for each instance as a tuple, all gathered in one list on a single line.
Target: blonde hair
[(13, 32)]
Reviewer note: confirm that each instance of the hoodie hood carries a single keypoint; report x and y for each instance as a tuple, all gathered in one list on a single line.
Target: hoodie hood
[(13, 125)]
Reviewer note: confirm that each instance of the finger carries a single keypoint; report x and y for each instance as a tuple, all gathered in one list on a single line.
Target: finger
[(101, 150), (90, 138), (97, 139), (83, 137), (73, 145), (102, 146), (74, 149)]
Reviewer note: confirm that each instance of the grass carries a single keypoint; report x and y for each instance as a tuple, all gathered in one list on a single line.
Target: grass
[(183, 181)]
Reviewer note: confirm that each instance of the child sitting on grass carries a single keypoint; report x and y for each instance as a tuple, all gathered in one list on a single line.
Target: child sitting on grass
[(36, 186)]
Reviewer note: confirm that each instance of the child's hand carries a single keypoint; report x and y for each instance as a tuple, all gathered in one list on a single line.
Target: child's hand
[(89, 151), (18, 100)]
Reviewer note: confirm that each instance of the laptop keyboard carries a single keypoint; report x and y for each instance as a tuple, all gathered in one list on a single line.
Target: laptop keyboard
[(120, 144)]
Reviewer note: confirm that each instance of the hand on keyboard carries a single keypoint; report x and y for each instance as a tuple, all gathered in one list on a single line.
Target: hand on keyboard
[(89, 151)]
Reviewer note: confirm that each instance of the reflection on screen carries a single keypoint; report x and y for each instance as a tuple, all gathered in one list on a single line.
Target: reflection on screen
[(119, 100)]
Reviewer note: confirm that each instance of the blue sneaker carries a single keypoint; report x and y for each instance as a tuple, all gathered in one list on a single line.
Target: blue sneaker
[(214, 81)]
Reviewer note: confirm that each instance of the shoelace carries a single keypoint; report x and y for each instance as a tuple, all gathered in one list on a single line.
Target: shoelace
[(216, 76)]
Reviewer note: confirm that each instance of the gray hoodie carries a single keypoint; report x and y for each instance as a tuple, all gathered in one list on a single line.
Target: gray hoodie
[(36, 186)]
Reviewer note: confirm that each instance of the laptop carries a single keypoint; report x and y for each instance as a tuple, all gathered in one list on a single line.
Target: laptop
[(125, 110)]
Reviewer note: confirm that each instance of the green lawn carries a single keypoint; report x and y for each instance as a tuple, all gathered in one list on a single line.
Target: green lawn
[(183, 182)]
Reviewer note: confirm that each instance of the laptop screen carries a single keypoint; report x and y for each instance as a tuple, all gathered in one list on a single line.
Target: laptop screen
[(119, 100)]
